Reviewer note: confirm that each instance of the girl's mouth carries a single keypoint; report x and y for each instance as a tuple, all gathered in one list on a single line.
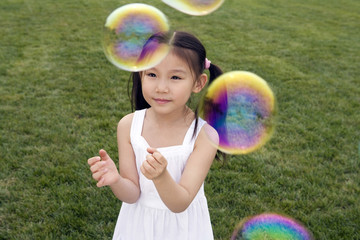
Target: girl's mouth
[(161, 100)]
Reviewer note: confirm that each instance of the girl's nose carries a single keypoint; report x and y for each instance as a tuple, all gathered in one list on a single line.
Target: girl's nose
[(162, 86)]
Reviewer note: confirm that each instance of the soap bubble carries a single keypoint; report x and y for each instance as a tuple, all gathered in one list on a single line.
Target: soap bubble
[(195, 7), (270, 226), (127, 30), (241, 107)]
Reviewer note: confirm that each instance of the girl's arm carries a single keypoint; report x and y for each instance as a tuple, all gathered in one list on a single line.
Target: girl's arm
[(130, 191), (178, 196), (125, 185)]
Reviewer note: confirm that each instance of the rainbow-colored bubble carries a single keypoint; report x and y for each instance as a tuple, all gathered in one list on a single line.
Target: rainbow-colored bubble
[(241, 107), (195, 7), (270, 226), (127, 29)]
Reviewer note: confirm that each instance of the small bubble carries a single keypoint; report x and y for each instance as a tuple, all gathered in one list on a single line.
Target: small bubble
[(127, 30), (195, 7)]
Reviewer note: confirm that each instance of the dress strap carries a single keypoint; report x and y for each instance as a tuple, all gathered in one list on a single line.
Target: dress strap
[(137, 123), (189, 139)]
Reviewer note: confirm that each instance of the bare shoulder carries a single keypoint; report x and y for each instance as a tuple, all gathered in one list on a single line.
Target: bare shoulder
[(209, 134), (123, 128), (125, 122)]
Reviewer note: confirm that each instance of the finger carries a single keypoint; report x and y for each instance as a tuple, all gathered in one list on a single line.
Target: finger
[(153, 162), (158, 157), (143, 171), (97, 166), (101, 182), (96, 176), (93, 160), (147, 167), (103, 154), (154, 154), (151, 150), (157, 160), (99, 174)]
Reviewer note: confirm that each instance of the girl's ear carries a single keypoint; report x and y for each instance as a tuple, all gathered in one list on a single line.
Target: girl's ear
[(200, 84)]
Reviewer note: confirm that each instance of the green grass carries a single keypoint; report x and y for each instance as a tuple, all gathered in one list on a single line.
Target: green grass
[(60, 101)]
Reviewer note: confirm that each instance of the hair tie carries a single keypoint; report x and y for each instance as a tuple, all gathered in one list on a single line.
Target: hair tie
[(207, 63)]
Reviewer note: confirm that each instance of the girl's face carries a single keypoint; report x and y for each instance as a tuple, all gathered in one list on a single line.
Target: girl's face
[(168, 86)]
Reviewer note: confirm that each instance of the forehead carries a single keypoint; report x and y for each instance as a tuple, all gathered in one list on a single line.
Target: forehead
[(174, 62)]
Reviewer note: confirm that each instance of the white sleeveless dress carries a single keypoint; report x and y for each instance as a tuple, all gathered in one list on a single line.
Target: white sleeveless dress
[(149, 218)]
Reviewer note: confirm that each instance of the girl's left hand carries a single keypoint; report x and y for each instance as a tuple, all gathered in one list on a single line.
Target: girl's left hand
[(154, 165)]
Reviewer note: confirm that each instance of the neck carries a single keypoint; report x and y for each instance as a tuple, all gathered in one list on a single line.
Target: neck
[(181, 116)]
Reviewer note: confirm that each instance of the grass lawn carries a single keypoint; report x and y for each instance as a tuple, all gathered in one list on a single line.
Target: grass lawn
[(60, 101)]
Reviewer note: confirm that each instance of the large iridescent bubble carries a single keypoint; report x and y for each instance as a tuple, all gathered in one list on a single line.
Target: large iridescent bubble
[(127, 30), (270, 226), (195, 7), (241, 107)]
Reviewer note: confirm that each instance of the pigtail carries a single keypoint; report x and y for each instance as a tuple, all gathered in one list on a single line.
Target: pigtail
[(137, 99), (215, 72)]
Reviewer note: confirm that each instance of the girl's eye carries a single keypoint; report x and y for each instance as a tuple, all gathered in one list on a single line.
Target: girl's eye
[(151, 74), (176, 78)]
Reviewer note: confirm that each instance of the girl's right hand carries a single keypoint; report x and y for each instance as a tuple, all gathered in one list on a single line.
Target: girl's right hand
[(103, 169)]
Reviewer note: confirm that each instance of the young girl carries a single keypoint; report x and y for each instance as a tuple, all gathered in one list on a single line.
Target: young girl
[(164, 150)]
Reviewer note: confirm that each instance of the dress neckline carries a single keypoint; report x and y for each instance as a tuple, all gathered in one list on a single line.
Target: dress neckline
[(187, 137)]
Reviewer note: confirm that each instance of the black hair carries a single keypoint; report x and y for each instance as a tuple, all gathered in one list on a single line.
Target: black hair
[(187, 47)]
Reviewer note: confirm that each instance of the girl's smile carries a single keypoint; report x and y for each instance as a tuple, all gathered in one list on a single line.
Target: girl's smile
[(161, 101)]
